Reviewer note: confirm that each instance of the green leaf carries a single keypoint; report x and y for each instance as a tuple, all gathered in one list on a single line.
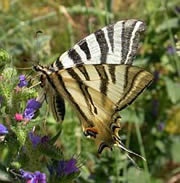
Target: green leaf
[(161, 146), (175, 150), (172, 90), (21, 134), (50, 150), (4, 58), (137, 176), (171, 23)]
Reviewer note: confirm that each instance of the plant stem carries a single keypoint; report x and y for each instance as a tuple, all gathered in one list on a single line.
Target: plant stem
[(139, 137)]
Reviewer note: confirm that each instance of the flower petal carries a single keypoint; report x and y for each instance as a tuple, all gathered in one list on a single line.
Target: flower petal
[(3, 129)]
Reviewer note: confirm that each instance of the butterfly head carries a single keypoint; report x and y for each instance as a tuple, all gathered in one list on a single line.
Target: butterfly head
[(44, 74), (42, 69)]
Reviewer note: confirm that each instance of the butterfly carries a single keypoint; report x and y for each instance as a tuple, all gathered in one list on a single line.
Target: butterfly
[(97, 78)]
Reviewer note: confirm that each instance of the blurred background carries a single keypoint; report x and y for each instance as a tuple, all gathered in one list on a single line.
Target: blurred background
[(39, 31)]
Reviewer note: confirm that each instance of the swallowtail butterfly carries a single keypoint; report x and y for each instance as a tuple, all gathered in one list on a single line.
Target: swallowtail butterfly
[(98, 79)]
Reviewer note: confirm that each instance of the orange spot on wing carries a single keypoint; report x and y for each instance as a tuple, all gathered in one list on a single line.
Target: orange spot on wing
[(92, 129)]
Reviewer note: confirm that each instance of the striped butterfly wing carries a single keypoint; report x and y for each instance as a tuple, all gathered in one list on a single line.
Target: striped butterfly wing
[(114, 44), (97, 78)]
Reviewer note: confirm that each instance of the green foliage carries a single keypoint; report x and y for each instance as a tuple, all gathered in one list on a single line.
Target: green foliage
[(150, 126)]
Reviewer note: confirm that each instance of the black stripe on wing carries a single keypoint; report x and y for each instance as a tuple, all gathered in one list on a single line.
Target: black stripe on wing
[(110, 30), (58, 64), (84, 89), (104, 78), (112, 71), (75, 57), (84, 72), (131, 86), (59, 107), (61, 82), (125, 37), (84, 47), (100, 37)]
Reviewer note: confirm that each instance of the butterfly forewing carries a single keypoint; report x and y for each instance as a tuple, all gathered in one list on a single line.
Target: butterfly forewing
[(114, 44)]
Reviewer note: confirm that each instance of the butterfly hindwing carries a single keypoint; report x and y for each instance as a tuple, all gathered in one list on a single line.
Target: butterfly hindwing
[(97, 94), (53, 98)]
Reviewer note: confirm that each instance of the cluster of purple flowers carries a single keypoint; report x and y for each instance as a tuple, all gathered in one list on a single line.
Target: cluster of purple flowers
[(36, 177), (62, 167)]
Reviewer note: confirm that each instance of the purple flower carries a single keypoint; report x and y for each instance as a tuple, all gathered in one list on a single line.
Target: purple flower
[(60, 167), (35, 139), (3, 129), (171, 50), (32, 106), (32, 103), (63, 168), (70, 167), (161, 126), (29, 113), (67, 167), (22, 81), (36, 177)]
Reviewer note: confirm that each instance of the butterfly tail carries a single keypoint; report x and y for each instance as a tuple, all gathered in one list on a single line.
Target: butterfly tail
[(119, 143)]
